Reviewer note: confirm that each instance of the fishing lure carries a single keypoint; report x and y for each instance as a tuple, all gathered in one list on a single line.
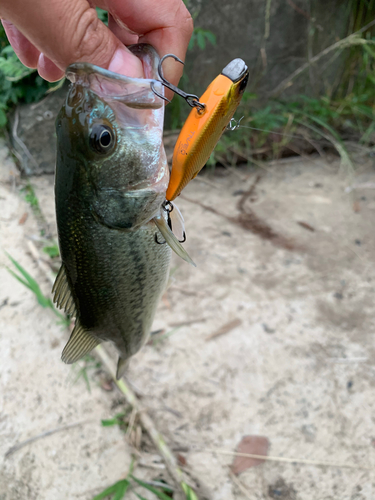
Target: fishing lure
[(206, 122)]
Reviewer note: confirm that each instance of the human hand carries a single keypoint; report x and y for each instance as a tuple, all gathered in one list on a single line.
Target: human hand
[(51, 34)]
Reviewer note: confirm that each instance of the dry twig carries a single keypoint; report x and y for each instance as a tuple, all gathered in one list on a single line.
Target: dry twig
[(18, 446), (239, 485), (225, 329), (169, 459), (286, 459), (353, 39)]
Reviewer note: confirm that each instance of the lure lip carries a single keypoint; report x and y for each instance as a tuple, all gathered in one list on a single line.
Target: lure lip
[(235, 70)]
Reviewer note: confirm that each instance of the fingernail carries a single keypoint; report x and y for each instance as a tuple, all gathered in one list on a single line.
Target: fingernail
[(125, 63), (48, 70)]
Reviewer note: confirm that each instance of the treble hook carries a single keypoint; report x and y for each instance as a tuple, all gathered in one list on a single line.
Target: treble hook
[(168, 207), (191, 99)]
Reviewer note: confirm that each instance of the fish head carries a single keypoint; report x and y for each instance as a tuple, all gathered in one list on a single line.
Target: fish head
[(110, 149)]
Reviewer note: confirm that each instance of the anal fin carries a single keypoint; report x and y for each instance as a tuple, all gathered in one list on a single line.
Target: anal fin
[(80, 343), (121, 367)]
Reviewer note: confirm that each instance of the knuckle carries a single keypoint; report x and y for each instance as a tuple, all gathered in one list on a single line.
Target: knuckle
[(189, 24), (186, 21), (89, 38)]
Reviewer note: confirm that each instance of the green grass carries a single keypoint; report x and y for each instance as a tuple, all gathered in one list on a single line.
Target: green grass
[(17, 83), (31, 198), (83, 367), (160, 490), (29, 282), (118, 490), (52, 250), (266, 132)]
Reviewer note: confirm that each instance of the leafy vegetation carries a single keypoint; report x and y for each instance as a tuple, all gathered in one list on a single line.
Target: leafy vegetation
[(29, 282), (200, 37), (17, 83), (118, 490), (83, 367), (301, 125), (304, 125), (52, 250)]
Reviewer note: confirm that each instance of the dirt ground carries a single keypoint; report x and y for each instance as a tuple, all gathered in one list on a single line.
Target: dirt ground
[(298, 368)]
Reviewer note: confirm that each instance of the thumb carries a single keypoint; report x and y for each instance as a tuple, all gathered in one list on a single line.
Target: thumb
[(70, 31)]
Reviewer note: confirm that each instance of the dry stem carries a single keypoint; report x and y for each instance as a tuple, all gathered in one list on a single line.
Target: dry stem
[(353, 39)]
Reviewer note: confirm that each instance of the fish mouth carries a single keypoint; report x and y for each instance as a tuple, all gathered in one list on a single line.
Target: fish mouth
[(136, 115), (135, 93), (236, 70)]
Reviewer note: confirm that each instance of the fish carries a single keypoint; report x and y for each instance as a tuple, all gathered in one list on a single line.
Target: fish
[(204, 127), (110, 185)]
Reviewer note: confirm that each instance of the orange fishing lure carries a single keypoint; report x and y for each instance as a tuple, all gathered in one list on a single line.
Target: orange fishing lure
[(205, 125)]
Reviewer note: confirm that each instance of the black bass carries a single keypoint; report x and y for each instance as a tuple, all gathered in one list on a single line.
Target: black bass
[(110, 185)]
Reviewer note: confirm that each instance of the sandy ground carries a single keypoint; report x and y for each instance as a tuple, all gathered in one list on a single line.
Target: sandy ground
[(298, 368)]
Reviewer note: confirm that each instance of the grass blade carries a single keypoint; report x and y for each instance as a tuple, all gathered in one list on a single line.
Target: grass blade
[(158, 493), (29, 282), (119, 489), (334, 139), (190, 494)]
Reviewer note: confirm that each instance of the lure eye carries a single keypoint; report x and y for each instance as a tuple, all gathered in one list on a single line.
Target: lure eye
[(102, 138), (244, 83)]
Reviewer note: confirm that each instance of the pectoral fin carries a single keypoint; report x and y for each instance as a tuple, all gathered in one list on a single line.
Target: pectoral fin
[(81, 342), (63, 297), (171, 239), (177, 222)]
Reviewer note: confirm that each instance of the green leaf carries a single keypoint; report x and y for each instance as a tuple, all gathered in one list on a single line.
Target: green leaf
[(119, 489), (102, 15), (189, 492), (116, 420), (109, 423), (158, 493), (211, 37), (335, 140), (3, 118), (366, 136), (52, 250), (29, 282), (192, 41), (201, 41)]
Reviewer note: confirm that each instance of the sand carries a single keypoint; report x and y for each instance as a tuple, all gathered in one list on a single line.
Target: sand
[(297, 366)]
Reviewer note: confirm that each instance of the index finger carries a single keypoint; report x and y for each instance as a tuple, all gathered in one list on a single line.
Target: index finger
[(166, 25)]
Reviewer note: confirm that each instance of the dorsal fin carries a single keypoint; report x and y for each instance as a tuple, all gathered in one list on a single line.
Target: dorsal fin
[(62, 295), (80, 343)]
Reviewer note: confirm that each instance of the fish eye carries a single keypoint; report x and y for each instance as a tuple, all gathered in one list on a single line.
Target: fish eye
[(102, 138)]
